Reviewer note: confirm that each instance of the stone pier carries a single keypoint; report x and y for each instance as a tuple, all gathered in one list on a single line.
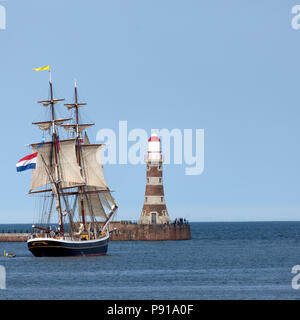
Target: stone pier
[(149, 232), (128, 231)]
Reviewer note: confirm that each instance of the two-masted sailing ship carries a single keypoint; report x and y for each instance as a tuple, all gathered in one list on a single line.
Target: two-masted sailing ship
[(67, 176)]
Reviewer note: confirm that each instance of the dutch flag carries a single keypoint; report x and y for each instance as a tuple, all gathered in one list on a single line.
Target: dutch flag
[(28, 162)]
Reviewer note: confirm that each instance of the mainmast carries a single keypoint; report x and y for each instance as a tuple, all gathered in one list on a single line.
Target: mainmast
[(78, 128), (90, 202)]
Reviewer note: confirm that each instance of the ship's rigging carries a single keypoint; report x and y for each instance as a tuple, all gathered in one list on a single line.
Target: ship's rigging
[(69, 175)]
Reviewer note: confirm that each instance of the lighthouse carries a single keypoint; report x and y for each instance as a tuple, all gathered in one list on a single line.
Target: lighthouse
[(154, 210)]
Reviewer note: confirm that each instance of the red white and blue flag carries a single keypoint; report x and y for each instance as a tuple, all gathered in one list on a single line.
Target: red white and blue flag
[(28, 162)]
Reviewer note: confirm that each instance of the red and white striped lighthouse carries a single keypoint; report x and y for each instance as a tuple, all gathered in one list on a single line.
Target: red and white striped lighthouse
[(154, 209)]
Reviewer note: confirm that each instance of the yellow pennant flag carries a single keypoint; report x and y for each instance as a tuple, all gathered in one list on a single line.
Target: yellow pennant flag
[(42, 68)]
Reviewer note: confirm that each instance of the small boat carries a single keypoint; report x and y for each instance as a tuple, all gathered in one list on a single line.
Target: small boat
[(9, 254)]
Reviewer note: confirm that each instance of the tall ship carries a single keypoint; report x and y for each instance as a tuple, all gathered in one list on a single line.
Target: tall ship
[(68, 180)]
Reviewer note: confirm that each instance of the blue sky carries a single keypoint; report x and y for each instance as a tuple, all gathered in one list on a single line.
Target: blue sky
[(229, 67)]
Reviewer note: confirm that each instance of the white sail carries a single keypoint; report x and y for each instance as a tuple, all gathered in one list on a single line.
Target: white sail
[(97, 200), (107, 200), (91, 156), (69, 170), (92, 204)]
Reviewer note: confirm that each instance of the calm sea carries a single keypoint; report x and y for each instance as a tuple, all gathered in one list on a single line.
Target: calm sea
[(222, 261)]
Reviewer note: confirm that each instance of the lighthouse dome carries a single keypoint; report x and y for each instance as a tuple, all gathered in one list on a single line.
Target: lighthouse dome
[(154, 137), (154, 151)]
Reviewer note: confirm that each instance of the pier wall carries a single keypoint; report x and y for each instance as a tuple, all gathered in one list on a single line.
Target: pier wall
[(13, 237), (128, 231), (149, 232)]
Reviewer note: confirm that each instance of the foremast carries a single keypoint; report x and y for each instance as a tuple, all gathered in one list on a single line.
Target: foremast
[(56, 162), (55, 147)]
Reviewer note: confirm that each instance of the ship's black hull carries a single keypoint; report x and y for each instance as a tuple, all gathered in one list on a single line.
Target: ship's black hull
[(45, 247)]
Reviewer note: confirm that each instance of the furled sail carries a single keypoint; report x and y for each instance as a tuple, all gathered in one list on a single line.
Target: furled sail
[(68, 167), (46, 103), (74, 105), (73, 127), (46, 125), (91, 156), (86, 139)]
